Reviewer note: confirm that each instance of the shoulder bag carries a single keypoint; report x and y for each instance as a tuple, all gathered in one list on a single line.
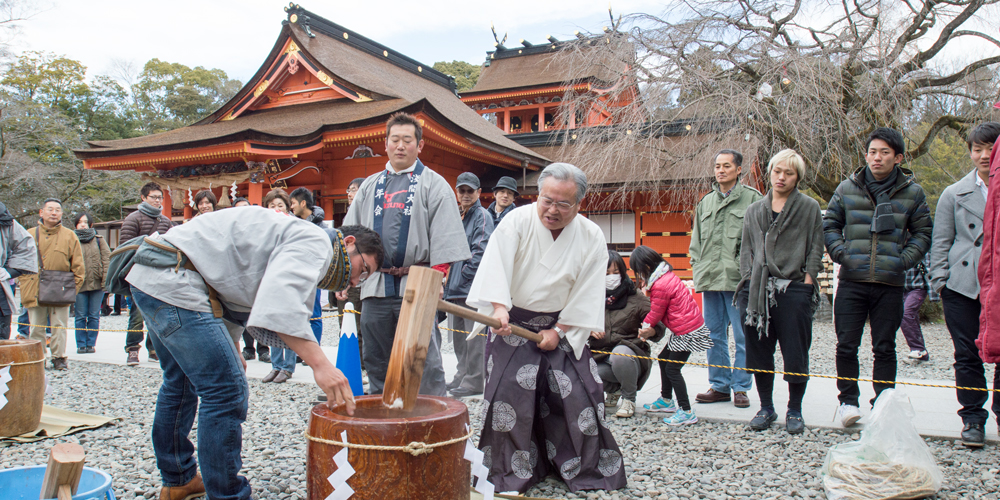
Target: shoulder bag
[(55, 288)]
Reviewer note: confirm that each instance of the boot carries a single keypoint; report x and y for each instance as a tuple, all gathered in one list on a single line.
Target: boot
[(193, 489)]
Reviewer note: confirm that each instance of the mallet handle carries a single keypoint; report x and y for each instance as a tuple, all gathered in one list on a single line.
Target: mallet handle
[(465, 312)]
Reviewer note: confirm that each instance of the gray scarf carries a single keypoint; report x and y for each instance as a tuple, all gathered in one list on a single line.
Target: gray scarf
[(149, 210), (85, 235), (775, 266)]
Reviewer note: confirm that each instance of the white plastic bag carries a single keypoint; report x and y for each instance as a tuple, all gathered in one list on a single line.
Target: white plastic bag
[(890, 461)]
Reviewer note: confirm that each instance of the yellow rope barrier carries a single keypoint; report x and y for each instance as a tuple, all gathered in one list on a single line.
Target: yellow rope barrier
[(415, 448), (693, 363)]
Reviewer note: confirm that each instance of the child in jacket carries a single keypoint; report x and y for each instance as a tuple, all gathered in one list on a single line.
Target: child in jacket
[(672, 304)]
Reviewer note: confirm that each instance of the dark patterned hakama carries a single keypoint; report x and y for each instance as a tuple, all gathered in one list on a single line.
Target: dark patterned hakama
[(545, 414)]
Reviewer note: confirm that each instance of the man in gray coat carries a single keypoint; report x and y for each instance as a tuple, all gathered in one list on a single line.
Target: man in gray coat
[(478, 225), (17, 256), (413, 209), (956, 246)]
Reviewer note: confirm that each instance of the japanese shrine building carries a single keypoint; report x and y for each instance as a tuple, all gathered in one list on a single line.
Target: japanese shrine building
[(314, 115)]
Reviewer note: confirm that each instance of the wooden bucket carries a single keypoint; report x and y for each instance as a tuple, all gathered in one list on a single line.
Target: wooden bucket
[(26, 390), (385, 474)]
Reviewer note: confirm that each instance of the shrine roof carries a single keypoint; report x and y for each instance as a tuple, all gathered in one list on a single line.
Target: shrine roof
[(381, 80), (559, 62)]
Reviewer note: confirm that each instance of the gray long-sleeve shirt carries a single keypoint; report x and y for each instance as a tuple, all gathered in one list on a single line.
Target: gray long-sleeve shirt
[(259, 261)]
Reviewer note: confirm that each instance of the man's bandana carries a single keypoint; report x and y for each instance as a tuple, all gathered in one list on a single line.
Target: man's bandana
[(338, 275)]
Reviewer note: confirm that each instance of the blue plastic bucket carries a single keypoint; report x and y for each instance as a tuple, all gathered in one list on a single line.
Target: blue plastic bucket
[(25, 483)]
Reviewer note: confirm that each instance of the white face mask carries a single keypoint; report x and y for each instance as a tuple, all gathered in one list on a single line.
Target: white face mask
[(612, 281)]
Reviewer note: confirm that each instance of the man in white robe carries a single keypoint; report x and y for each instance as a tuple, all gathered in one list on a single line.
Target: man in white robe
[(264, 268), (413, 209), (544, 269)]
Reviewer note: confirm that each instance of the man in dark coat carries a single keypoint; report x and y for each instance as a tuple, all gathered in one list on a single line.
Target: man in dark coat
[(877, 225), (504, 194), (478, 227), (147, 220)]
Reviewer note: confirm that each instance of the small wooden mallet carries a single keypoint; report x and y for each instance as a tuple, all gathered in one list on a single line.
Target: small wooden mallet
[(62, 475)]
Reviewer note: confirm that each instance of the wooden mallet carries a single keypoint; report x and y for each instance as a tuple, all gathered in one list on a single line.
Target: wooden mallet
[(417, 316), (62, 475)]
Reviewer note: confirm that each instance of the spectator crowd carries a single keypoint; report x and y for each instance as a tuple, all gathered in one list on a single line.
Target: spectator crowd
[(756, 260)]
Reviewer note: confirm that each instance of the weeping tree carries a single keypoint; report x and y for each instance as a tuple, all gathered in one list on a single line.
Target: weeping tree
[(763, 75)]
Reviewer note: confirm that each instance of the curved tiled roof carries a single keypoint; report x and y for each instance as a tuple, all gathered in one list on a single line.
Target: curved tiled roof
[(395, 81)]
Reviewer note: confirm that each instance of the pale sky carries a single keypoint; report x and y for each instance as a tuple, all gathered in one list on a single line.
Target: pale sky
[(236, 36)]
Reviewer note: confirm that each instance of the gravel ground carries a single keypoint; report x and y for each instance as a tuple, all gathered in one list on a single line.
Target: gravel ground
[(707, 460)]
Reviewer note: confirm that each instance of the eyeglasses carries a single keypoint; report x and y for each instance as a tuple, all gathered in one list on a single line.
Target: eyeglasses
[(352, 190), (364, 274), (561, 206), (154, 197)]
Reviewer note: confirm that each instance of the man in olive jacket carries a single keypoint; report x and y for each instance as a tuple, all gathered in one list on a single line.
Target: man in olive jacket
[(60, 250), (716, 232), (877, 225)]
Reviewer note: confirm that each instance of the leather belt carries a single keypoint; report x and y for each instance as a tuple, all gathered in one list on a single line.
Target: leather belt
[(401, 271)]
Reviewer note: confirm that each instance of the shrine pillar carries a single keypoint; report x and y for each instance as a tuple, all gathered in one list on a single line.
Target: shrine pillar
[(168, 204), (255, 193)]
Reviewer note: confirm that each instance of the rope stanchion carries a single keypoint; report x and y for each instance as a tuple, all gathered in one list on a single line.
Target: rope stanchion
[(415, 448)]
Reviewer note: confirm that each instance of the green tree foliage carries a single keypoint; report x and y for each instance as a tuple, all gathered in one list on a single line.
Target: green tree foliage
[(466, 75), (48, 108), (171, 95), (946, 161)]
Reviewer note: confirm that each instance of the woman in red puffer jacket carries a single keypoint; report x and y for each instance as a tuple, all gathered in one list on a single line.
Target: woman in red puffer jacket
[(672, 304)]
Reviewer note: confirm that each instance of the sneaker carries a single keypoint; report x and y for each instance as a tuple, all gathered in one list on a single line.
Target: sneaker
[(153, 357), (282, 377), (91, 350), (249, 354), (712, 396), (611, 399), (763, 419), (973, 435), (264, 356), (661, 406), (794, 423), (681, 418), (60, 364), (919, 355), (626, 410), (81, 350), (849, 414), (133, 357)]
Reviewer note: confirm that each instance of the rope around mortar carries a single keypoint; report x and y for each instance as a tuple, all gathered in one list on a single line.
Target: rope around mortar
[(415, 448)]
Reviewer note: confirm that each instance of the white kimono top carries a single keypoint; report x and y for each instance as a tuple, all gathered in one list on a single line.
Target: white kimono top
[(259, 261), (524, 267), (436, 234)]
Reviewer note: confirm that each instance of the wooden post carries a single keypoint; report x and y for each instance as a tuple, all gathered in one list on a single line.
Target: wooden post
[(413, 335), (62, 475), (255, 193)]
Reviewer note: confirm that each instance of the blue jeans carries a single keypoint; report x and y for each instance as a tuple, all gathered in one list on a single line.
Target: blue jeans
[(283, 359), (88, 317), (720, 313), (22, 328), (317, 324), (200, 365)]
